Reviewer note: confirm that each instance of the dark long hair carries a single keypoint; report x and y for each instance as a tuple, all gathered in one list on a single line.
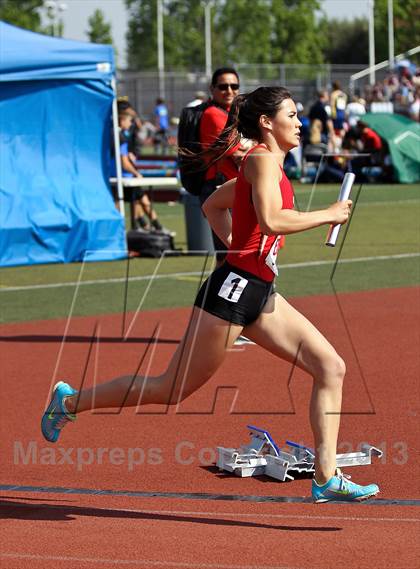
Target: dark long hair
[(221, 71), (243, 121)]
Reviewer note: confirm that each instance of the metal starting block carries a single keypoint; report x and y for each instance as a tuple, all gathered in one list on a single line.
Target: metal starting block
[(263, 456)]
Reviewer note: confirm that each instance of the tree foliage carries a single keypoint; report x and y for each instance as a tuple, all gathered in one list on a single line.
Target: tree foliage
[(99, 30), (263, 32), (406, 26), (141, 35), (345, 42), (183, 34), (27, 14), (252, 31), (296, 33), (242, 32), (22, 13)]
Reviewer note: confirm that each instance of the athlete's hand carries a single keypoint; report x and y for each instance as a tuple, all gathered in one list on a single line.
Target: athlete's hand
[(340, 212)]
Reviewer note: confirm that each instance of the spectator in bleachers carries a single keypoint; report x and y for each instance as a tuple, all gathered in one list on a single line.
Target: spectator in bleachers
[(146, 217), (161, 115), (306, 123), (371, 141), (338, 103), (200, 97), (324, 127), (415, 106), (398, 88), (354, 110), (363, 139)]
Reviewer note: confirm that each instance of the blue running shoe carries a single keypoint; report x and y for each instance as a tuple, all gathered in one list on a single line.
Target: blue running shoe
[(56, 414), (340, 489)]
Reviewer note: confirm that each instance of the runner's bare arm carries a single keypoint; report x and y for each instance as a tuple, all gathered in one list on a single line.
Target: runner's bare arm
[(263, 172), (216, 209)]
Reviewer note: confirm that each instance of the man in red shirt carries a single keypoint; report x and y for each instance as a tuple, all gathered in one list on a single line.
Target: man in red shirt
[(224, 88), (364, 139), (371, 140)]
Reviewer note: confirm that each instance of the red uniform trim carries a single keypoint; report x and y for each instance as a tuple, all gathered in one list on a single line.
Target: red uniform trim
[(247, 238)]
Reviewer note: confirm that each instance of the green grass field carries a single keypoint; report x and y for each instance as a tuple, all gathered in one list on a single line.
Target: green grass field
[(386, 223)]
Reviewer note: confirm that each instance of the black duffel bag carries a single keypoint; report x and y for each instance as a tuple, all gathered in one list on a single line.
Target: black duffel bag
[(150, 243)]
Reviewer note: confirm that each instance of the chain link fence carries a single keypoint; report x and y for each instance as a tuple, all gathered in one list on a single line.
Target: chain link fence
[(142, 88)]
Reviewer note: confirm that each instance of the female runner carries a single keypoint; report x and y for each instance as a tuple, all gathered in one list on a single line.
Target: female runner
[(238, 297)]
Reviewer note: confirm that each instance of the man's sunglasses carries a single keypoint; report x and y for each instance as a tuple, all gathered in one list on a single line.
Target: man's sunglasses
[(225, 86)]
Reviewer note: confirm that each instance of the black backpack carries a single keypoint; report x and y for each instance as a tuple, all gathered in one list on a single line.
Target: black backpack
[(192, 175), (150, 243)]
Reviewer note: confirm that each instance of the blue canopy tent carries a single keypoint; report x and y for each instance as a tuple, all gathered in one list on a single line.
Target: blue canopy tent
[(56, 101)]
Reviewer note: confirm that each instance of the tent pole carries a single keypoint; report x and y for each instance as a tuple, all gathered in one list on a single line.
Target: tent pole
[(120, 189), (371, 6)]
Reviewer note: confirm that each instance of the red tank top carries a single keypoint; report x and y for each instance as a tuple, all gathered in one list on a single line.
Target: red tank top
[(247, 239)]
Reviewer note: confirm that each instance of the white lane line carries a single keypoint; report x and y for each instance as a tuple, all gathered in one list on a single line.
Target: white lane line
[(101, 281), (199, 273), (346, 261), (409, 201), (139, 562)]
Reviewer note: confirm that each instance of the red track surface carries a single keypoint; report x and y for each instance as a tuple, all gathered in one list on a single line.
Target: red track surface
[(68, 531)]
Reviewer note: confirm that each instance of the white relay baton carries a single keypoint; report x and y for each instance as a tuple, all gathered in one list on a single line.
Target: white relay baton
[(344, 195)]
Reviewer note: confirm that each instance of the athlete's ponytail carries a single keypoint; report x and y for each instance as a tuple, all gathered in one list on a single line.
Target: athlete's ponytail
[(243, 121), (229, 137)]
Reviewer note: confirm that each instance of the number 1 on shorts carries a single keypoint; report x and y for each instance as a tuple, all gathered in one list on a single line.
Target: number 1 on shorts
[(233, 287)]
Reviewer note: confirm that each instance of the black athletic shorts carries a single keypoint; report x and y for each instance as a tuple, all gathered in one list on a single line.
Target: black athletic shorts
[(234, 295), (138, 193)]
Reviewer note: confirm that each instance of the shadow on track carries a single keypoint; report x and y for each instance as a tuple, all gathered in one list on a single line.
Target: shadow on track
[(47, 512), (35, 338), (213, 469)]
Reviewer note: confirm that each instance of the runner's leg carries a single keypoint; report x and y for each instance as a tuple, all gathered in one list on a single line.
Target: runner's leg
[(283, 331), (198, 356)]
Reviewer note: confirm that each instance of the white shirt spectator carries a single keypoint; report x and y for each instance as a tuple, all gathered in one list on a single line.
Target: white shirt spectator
[(200, 97), (415, 109), (354, 111)]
